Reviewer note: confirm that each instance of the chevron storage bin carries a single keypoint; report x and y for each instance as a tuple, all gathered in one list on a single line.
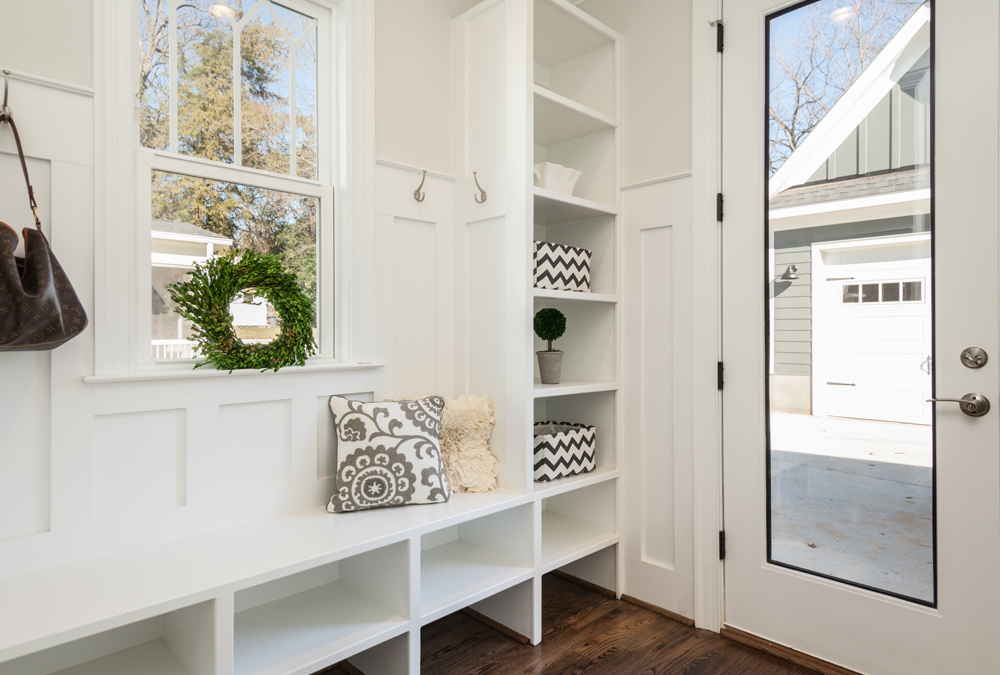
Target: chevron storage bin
[(563, 449), (561, 268)]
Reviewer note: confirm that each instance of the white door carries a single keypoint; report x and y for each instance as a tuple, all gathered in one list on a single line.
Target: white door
[(838, 545), (871, 327)]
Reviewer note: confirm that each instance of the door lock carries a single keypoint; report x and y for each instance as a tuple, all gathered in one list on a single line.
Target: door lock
[(974, 357), (973, 405)]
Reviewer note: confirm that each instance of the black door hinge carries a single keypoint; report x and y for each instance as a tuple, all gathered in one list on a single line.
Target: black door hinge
[(720, 36), (722, 545), (719, 210), (722, 370)]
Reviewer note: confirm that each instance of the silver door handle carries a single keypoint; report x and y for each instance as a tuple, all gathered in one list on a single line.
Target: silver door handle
[(973, 405)]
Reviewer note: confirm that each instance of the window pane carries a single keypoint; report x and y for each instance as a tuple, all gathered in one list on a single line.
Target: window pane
[(850, 469), (194, 218), (277, 71)]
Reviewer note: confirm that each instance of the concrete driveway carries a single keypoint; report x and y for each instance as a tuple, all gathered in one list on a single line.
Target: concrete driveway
[(853, 499)]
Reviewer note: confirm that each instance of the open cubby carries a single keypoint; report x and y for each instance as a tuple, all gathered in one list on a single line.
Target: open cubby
[(573, 58), (592, 154), (308, 621), (588, 345), (578, 522), (181, 642), (597, 235), (597, 409), (466, 563)]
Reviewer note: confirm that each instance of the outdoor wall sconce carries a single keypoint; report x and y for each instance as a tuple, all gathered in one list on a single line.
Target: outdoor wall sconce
[(792, 272)]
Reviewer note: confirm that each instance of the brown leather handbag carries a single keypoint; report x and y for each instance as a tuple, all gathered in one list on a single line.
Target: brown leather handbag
[(39, 309)]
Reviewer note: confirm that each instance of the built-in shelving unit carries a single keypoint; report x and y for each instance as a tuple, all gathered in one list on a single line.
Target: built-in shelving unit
[(576, 123)]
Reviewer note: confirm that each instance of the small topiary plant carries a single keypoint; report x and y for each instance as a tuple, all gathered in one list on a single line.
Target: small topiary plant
[(550, 324)]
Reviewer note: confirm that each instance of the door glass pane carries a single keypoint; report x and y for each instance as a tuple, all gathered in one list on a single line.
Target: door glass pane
[(850, 434)]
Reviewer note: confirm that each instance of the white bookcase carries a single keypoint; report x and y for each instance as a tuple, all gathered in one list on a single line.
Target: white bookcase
[(533, 81)]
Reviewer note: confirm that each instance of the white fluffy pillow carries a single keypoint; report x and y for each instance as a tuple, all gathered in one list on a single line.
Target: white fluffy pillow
[(466, 427)]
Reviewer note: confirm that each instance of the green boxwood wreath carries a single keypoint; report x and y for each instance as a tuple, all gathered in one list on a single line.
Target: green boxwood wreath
[(204, 300)]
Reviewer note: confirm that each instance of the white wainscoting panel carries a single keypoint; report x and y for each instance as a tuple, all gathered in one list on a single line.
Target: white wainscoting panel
[(25, 458), (139, 463), (415, 276), (256, 445), (657, 452)]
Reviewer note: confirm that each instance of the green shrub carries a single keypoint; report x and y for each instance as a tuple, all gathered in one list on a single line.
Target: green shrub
[(550, 324)]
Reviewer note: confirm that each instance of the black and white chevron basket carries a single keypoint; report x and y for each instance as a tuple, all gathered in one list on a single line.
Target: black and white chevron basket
[(563, 449), (561, 268)]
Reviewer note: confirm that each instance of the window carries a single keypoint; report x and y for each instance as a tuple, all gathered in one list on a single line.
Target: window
[(234, 152), (892, 291)]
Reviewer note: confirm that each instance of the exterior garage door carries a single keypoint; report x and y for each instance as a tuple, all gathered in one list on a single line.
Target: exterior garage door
[(872, 329)]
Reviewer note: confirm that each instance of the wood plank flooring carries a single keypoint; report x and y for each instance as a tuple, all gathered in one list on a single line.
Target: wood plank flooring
[(587, 633)]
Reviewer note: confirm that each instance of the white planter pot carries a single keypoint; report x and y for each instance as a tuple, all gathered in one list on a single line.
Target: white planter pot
[(556, 177)]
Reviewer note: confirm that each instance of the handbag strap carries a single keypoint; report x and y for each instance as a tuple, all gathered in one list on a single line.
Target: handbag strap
[(9, 119)]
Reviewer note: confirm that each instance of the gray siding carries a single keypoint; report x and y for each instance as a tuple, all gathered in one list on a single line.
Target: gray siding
[(793, 299)]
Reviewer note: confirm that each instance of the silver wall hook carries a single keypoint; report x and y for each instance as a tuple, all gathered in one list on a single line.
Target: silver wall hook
[(5, 111), (417, 194), (480, 198)]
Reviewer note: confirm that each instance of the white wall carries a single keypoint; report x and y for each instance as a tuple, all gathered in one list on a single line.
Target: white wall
[(656, 92), (37, 36), (413, 80)]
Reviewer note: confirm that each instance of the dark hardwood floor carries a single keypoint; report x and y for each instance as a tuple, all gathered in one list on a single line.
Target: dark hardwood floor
[(587, 633)]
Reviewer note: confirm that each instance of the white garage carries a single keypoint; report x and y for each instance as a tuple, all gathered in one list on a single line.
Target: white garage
[(872, 329)]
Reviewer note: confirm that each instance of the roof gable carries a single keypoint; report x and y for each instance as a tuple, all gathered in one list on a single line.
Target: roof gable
[(896, 59)]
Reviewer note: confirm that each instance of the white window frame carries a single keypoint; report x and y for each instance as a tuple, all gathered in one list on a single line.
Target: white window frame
[(345, 145)]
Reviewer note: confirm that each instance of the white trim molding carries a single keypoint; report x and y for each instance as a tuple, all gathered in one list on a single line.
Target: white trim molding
[(409, 167), (68, 87), (707, 329), (872, 207), (654, 181)]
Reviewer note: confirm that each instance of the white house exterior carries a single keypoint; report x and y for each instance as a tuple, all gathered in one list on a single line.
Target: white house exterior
[(176, 248)]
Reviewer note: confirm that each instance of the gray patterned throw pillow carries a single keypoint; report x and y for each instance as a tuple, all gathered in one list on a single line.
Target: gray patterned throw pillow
[(388, 454)]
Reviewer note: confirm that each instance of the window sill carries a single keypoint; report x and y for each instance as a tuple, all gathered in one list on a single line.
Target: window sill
[(206, 372)]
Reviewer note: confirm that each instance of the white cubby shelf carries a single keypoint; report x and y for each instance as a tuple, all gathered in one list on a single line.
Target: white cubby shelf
[(308, 621), (574, 296), (553, 208), (559, 119), (472, 561), (578, 523), (580, 480), (568, 387)]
